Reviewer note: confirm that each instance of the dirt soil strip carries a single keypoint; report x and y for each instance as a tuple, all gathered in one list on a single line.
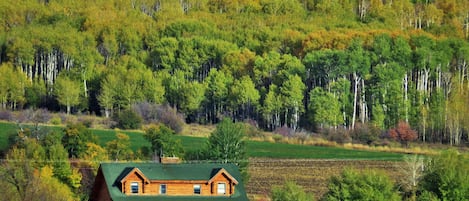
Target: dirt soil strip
[(312, 174)]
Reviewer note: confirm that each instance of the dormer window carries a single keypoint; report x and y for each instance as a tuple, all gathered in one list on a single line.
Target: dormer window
[(221, 188), (134, 187)]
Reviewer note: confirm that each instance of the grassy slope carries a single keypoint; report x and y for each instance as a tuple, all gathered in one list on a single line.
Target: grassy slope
[(255, 148)]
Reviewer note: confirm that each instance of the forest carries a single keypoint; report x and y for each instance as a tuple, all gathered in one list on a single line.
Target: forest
[(306, 65)]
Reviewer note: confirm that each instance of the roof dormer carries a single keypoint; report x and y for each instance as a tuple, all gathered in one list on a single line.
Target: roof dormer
[(132, 181)]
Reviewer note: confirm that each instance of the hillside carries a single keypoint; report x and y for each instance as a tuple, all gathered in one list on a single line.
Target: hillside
[(305, 64), (255, 149)]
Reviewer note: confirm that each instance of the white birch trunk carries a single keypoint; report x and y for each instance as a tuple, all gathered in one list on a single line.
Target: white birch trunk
[(355, 94)]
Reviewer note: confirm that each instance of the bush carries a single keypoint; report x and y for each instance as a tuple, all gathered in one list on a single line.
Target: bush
[(6, 115), (163, 142), (152, 113), (252, 130), (403, 133), (56, 120), (290, 191), (447, 176), (24, 116), (427, 196), (365, 133), (147, 111), (356, 185), (277, 137), (284, 131), (128, 119), (41, 116), (338, 135), (86, 120), (301, 136), (171, 118)]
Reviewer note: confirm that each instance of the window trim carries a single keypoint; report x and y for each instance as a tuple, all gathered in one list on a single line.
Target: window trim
[(132, 185), (224, 188), (197, 189), (161, 189)]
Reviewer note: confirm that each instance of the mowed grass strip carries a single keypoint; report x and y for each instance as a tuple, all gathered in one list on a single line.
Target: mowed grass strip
[(295, 151), (255, 149)]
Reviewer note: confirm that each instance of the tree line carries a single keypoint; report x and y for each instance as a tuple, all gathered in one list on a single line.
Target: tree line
[(303, 64)]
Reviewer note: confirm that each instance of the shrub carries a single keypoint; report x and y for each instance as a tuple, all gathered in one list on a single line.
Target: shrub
[(252, 130), (403, 133), (41, 116), (152, 113), (128, 119), (24, 116), (338, 135), (447, 176), (171, 118), (290, 191), (6, 115), (277, 137), (284, 131), (356, 185), (365, 133), (301, 136), (146, 110), (86, 120), (56, 120), (162, 141), (427, 196)]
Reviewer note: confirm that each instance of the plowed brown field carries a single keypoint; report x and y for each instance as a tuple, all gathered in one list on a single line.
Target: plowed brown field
[(311, 174)]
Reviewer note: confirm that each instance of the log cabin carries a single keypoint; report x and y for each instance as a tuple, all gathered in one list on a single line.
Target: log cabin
[(168, 182)]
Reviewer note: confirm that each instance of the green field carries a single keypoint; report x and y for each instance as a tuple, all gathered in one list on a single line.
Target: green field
[(256, 149)]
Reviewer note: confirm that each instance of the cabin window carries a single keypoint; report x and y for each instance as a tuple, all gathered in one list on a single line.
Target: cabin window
[(134, 187), (221, 188), (163, 189), (197, 189)]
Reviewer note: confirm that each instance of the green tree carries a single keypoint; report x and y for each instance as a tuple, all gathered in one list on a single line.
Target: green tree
[(272, 107), (128, 119), (163, 142), (17, 88), (447, 176), (47, 187), (227, 144), (61, 167), (244, 96), (291, 93), (108, 95), (217, 93), (119, 149), (67, 92), (325, 108), (356, 185), (75, 139), (94, 155), (358, 63), (36, 93), (22, 180), (290, 191)]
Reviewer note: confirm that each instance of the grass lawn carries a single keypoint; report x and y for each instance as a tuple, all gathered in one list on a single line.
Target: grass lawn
[(254, 148), (294, 151)]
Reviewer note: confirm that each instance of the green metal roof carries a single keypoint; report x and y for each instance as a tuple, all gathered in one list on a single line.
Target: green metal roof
[(114, 172)]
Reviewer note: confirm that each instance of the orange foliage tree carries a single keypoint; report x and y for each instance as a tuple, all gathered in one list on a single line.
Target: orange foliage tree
[(403, 132)]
